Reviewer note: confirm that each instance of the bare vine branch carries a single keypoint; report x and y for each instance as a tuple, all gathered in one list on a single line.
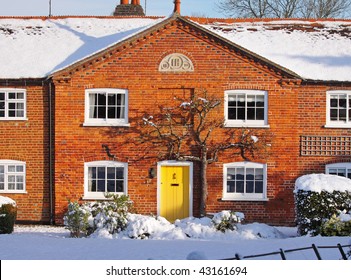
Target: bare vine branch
[(286, 8), (192, 131)]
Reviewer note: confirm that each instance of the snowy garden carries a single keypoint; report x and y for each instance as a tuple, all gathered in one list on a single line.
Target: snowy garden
[(109, 230)]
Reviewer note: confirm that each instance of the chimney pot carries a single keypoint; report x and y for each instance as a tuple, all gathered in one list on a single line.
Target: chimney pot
[(177, 6), (126, 9)]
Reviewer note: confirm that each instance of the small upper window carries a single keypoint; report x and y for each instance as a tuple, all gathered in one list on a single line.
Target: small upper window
[(104, 107), (105, 177), (246, 108), (340, 169), (12, 176), (339, 108), (12, 104), (244, 181)]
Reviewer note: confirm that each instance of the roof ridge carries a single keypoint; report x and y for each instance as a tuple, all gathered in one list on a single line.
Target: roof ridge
[(78, 16), (203, 20), (200, 20)]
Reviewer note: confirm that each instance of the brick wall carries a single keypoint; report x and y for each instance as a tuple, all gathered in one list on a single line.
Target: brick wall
[(136, 68), (28, 141), (312, 120)]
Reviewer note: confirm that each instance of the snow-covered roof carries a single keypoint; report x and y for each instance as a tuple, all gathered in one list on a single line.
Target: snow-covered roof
[(39, 47), (316, 50)]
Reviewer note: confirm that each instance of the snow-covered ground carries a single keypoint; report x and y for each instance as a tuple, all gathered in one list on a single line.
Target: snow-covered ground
[(154, 238), (54, 243)]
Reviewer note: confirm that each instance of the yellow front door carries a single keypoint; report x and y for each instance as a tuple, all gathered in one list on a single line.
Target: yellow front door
[(174, 196)]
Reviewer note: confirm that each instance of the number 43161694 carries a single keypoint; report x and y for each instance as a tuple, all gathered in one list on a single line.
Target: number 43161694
[(223, 271)]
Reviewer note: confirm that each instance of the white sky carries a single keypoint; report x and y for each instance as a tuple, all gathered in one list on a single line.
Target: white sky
[(104, 7)]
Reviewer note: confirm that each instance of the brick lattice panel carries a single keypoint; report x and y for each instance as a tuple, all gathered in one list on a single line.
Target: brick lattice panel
[(325, 145)]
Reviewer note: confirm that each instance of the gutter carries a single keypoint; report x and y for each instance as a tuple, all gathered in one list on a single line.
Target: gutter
[(22, 82), (327, 83)]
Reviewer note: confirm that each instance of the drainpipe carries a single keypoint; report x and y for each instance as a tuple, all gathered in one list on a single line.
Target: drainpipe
[(51, 187)]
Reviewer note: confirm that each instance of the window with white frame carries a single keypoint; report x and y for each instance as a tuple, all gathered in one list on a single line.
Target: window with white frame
[(340, 169), (104, 107), (103, 177), (244, 181), (12, 176), (246, 108), (12, 104), (339, 108)]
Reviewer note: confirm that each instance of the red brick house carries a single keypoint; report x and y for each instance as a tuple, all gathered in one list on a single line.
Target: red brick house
[(72, 90)]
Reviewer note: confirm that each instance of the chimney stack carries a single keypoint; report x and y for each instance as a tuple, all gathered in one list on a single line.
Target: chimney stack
[(126, 9), (177, 6)]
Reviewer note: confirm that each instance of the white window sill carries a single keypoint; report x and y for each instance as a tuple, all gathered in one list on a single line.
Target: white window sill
[(348, 126), (14, 119), (106, 124), (244, 125), (95, 198), (244, 199), (98, 196), (13, 192)]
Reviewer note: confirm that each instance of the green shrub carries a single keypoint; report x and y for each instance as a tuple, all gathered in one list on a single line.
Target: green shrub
[(227, 220), (8, 214), (314, 208), (76, 219), (336, 226)]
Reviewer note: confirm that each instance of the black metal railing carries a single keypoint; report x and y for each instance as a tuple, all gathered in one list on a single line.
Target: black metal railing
[(283, 253)]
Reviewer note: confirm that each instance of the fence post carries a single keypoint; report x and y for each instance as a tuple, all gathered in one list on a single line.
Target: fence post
[(282, 254), (315, 249), (343, 255)]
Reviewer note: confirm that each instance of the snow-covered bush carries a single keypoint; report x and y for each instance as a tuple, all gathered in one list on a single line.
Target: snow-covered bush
[(8, 214), (227, 220), (110, 216), (337, 225), (76, 219), (317, 198), (145, 227)]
